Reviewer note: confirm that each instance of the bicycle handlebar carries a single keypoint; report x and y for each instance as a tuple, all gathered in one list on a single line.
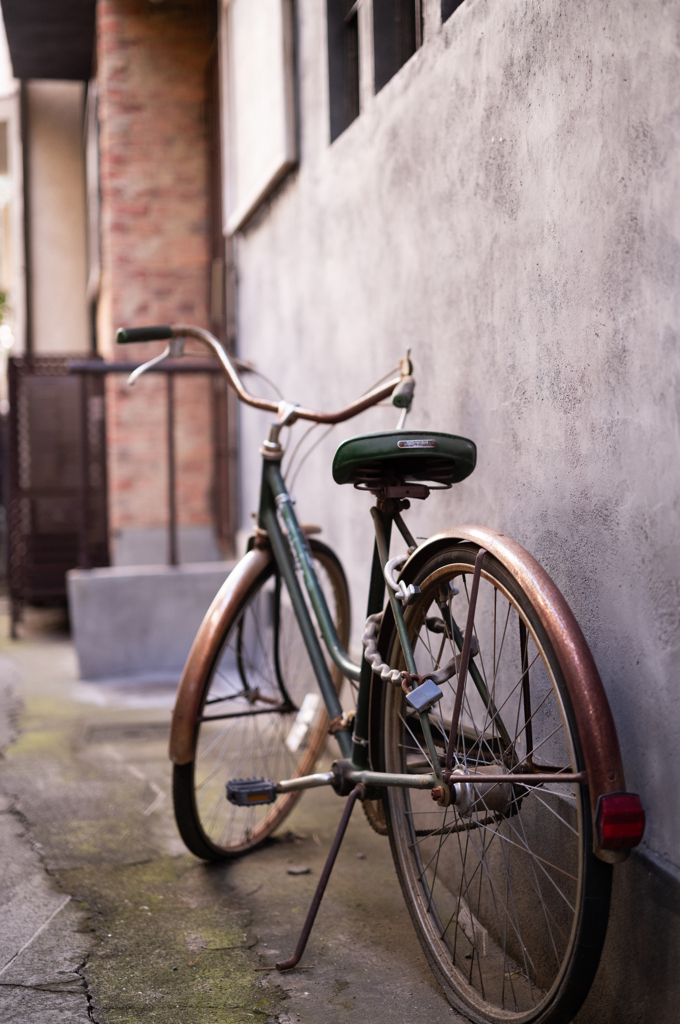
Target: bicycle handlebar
[(165, 332)]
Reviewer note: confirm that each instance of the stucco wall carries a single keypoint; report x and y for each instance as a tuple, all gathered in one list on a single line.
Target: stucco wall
[(509, 207)]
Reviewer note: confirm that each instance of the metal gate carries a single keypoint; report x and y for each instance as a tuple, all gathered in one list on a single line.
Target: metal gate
[(57, 478)]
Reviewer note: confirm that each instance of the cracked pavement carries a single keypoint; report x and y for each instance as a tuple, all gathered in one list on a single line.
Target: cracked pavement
[(105, 917)]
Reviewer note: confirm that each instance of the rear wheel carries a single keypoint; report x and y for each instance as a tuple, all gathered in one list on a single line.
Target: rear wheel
[(508, 900), (261, 713)]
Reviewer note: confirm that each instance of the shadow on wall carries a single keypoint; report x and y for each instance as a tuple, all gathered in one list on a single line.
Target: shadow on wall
[(639, 981)]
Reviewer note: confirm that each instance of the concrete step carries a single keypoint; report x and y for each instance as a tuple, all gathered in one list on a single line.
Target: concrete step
[(137, 622)]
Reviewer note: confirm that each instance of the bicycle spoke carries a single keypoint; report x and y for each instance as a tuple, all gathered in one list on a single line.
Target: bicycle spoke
[(426, 756)]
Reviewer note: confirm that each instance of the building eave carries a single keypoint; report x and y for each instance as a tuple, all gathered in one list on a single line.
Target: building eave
[(50, 38)]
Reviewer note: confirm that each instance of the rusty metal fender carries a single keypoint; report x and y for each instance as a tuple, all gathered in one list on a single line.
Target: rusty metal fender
[(593, 715), (205, 650)]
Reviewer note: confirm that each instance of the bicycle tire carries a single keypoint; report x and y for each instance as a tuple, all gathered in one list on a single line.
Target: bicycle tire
[(243, 676), (512, 937)]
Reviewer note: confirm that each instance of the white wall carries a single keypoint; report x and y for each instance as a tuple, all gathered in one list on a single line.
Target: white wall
[(11, 212), (509, 206), (58, 275), (12, 207)]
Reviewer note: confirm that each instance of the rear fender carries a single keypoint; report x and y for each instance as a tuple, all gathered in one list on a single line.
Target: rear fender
[(593, 715)]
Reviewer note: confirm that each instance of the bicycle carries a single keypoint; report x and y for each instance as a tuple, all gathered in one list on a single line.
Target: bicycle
[(480, 741)]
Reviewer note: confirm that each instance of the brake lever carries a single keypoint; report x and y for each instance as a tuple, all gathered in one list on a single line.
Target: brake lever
[(173, 350)]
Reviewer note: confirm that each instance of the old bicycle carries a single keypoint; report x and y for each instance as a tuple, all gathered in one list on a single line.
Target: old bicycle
[(480, 739)]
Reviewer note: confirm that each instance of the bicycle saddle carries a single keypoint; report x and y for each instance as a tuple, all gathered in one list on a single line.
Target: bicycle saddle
[(373, 460)]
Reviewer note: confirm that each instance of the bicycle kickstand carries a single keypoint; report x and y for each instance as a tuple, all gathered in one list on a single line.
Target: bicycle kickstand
[(294, 960)]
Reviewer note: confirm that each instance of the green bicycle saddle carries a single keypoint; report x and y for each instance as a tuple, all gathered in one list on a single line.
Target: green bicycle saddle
[(444, 459)]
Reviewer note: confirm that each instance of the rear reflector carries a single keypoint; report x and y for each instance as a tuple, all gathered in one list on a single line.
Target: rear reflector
[(619, 821)]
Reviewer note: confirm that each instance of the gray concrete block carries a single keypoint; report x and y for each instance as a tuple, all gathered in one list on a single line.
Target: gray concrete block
[(139, 621)]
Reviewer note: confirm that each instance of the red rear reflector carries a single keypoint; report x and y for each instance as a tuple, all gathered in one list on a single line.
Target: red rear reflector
[(619, 821)]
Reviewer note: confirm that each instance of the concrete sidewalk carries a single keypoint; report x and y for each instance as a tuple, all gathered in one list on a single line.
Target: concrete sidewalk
[(44, 935), (104, 916)]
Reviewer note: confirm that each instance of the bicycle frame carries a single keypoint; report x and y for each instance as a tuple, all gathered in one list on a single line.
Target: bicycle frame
[(292, 554)]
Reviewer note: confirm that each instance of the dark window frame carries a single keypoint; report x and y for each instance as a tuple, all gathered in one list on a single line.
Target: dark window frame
[(343, 64), (397, 35), (448, 7)]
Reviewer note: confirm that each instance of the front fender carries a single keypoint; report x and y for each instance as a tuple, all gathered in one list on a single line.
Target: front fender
[(205, 649)]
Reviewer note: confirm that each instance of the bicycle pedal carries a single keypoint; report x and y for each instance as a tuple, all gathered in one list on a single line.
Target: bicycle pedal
[(246, 792), (424, 696)]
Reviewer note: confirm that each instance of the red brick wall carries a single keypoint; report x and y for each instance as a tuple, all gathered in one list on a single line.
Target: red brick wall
[(152, 61)]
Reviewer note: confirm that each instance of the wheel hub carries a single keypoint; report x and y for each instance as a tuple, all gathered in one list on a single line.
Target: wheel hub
[(469, 797)]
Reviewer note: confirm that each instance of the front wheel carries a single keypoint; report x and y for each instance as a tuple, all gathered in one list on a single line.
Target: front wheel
[(508, 900), (260, 712)]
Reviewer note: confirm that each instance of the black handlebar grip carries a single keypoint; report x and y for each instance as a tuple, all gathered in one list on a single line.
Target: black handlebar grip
[(126, 335)]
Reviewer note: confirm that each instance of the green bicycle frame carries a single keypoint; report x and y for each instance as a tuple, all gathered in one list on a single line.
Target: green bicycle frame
[(292, 553), (274, 497)]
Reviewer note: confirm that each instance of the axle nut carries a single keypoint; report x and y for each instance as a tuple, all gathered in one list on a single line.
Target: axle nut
[(441, 795)]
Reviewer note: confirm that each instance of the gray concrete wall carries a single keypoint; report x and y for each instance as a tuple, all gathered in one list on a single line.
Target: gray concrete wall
[(509, 207)]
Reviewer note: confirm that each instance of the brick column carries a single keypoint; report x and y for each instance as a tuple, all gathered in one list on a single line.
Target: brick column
[(152, 62)]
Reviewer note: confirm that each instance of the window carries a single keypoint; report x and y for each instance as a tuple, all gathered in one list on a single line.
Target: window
[(343, 63), (396, 36), (448, 7), (259, 102)]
